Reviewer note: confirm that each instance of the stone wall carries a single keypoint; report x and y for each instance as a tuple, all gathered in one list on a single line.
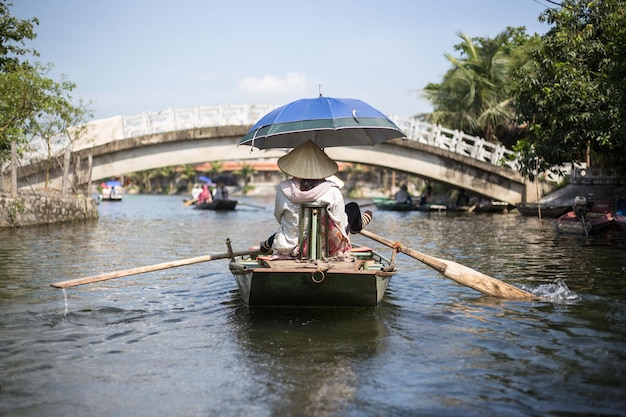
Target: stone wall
[(27, 209)]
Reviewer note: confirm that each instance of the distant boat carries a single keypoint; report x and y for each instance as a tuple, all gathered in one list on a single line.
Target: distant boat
[(493, 207), (532, 209), (223, 205), (432, 207), (586, 217), (390, 204)]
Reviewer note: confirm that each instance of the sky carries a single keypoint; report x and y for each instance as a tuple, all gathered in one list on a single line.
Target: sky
[(128, 57)]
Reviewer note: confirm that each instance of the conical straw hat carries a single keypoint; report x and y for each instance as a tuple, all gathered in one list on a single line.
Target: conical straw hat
[(308, 162)]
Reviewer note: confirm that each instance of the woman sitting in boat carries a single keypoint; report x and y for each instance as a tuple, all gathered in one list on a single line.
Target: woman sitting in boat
[(310, 166), (205, 196)]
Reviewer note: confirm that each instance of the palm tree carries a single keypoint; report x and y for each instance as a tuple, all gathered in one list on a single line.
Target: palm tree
[(188, 174), (475, 95), (216, 169), (246, 171), (169, 174)]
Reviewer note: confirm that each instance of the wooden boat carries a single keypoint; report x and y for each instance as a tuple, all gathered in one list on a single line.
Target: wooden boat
[(619, 216), (314, 278), (222, 205), (493, 207), (586, 218), (462, 209), (532, 209), (432, 207), (361, 280), (390, 204)]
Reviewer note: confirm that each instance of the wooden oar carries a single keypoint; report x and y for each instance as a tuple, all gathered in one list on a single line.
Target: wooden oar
[(149, 268), (190, 201), (459, 273), (250, 205)]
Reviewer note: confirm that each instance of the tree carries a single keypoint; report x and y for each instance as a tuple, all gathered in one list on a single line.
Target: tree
[(32, 105), (188, 174), (475, 94), (246, 171), (572, 93)]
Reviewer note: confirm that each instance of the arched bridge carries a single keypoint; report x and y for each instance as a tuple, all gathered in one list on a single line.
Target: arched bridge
[(124, 144)]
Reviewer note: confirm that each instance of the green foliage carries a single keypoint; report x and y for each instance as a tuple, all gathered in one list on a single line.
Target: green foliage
[(32, 105), (475, 94), (572, 91)]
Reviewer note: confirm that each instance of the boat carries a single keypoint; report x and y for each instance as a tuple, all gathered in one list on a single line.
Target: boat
[(586, 217), (390, 204), (312, 278), (619, 217), (547, 210), (462, 209), (109, 198), (110, 194), (358, 280), (492, 207), (223, 205), (438, 208)]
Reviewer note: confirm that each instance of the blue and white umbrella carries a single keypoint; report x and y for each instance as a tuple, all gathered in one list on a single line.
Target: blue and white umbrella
[(326, 121)]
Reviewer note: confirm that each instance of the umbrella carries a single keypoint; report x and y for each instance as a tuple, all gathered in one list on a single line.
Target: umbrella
[(113, 183), (206, 179), (226, 180), (326, 121)]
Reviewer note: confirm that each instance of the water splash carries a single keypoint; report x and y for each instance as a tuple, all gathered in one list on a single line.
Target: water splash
[(66, 303), (556, 291)]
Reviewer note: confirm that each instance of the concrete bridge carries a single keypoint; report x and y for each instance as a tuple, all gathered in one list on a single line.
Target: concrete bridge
[(123, 144)]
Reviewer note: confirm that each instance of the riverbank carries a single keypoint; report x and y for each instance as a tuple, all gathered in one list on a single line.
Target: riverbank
[(45, 207)]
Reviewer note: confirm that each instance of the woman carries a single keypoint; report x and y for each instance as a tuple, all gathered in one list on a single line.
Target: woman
[(309, 166), (205, 196)]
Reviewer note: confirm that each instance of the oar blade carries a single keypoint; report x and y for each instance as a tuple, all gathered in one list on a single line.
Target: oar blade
[(483, 283), (457, 272)]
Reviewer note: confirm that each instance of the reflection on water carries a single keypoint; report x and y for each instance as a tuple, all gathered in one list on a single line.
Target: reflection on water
[(181, 342)]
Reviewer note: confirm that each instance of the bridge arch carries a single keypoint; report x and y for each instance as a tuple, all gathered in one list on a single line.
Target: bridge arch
[(116, 146)]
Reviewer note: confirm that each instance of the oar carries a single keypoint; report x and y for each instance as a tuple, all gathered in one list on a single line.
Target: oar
[(250, 205), (459, 273), (149, 268), (190, 201)]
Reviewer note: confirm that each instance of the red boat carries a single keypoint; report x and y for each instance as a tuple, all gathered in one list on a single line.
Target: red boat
[(586, 217)]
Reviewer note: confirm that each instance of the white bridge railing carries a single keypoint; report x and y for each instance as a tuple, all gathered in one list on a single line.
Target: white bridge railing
[(124, 127)]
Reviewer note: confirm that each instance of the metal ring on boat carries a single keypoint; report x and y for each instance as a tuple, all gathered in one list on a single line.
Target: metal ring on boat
[(318, 281)]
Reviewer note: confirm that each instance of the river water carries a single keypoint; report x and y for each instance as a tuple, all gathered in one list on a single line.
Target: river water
[(180, 342)]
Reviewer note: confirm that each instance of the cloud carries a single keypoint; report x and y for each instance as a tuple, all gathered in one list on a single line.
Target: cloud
[(293, 82)]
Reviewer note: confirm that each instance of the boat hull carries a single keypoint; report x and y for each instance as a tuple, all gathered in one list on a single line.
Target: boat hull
[(223, 205), (389, 204), (532, 209), (264, 282)]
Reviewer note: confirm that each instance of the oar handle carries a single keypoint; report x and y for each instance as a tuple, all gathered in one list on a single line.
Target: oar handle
[(149, 268)]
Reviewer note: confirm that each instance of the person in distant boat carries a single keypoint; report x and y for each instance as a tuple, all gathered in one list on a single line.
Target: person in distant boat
[(403, 196), (205, 196), (195, 191), (462, 199), (309, 167), (427, 196), (221, 192)]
